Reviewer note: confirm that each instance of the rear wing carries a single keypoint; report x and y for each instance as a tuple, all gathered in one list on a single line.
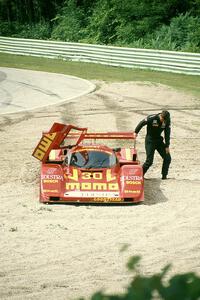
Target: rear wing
[(54, 138), (59, 132), (106, 135)]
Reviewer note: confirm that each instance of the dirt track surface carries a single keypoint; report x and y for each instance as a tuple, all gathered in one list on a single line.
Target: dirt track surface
[(64, 252)]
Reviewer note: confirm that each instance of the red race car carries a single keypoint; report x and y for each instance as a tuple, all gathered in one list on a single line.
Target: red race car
[(75, 171)]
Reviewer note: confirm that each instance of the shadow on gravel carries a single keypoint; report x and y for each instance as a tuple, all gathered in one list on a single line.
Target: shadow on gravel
[(152, 192), (88, 205)]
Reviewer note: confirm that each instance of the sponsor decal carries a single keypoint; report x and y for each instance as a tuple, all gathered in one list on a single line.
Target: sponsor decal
[(92, 194), (132, 192), (50, 181), (50, 191), (44, 145), (155, 123), (132, 171), (52, 176), (108, 199), (108, 185), (51, 170), (134, 182), (101, 186), (130, 177)]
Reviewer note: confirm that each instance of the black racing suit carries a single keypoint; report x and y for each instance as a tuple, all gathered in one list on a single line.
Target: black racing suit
[(154, 141)]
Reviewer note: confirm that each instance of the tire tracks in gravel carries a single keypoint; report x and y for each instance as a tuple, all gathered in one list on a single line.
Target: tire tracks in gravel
[(7, 96), (64, 111), (114, 107), (120, 110)]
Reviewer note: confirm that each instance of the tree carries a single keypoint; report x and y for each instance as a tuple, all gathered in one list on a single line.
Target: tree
[(68, 23)]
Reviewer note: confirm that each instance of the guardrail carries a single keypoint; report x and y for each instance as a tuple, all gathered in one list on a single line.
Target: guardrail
[(170, 61)]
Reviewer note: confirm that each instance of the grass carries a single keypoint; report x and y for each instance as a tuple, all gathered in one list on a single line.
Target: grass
[(186, 83)]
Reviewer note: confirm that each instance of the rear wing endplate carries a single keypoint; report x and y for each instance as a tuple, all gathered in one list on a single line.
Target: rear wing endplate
[(53, 139)]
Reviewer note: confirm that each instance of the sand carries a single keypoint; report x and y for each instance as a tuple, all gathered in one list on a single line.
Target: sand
[(65, 252)]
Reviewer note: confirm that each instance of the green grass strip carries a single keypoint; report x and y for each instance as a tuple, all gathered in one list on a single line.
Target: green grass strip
[(186, 83)]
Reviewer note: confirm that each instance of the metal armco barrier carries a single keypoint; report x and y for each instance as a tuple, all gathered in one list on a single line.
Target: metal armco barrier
[(170, 61)]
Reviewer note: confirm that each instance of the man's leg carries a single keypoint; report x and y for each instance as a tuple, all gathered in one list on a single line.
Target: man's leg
[(150, 150), (166, 158)]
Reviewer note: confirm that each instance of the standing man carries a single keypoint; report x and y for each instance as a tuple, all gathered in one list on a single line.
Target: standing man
[(154, 141)]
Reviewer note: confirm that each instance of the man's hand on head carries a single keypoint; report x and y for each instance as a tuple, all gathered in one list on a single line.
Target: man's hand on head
[(167, 150)]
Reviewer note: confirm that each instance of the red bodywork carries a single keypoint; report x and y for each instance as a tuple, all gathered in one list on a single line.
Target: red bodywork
[(91, 173)]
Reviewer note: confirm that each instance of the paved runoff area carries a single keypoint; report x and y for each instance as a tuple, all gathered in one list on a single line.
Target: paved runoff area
[(24, 90)]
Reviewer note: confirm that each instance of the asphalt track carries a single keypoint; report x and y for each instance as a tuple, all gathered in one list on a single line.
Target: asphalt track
[(24, 90)]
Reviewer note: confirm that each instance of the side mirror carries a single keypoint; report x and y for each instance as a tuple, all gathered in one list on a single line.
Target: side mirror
[(116, 149)]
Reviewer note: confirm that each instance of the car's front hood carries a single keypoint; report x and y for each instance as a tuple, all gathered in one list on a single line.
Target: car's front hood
[(71, 183), (94, 183)]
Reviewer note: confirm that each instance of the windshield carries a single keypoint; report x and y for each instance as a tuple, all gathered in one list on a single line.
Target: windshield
[(93, 159)]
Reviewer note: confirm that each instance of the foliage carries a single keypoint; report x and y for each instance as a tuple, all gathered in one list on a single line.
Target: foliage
[(183, 34), (40, 30), (28, 11), (101, 24), (137, 18), (68, 23), (123, 22), (178, 287), (160, 24)]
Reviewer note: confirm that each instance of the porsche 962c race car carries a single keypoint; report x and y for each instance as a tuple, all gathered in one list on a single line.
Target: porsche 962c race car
[(74, 170)]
